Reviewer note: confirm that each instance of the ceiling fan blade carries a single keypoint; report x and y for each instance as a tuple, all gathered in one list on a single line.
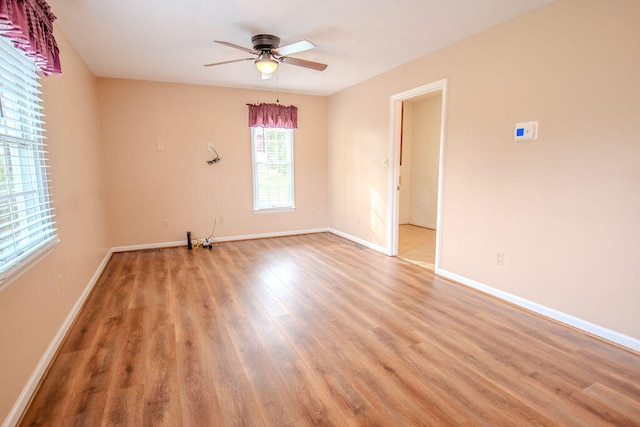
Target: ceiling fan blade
[(235, 46), (296, 47), (303, 63), (229, 62)]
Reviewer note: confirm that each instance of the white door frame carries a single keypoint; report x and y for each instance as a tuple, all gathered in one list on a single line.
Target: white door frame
[(394, 164)]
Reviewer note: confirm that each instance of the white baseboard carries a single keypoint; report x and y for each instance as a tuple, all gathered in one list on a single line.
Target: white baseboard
[(221, 239), (422, 224), (267, 235), (362, 242), (30, 387), (593, 329), (148, 246)]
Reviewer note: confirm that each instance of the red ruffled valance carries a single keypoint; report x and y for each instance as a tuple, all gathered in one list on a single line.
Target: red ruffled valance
[(29, 24), (273, 116)]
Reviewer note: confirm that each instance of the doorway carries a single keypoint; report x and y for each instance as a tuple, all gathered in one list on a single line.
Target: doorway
[(416, 172)]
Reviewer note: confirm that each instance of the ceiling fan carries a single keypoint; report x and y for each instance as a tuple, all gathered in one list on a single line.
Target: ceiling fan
[(269, 54)]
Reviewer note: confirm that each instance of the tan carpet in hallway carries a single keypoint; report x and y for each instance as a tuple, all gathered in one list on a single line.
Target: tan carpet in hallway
[(418, 245)]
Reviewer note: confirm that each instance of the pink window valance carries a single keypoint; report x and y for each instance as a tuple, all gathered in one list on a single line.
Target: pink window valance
[(29, 24), (273, 116)]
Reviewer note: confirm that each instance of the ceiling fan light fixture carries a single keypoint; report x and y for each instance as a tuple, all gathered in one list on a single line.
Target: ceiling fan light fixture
[(266, 63)]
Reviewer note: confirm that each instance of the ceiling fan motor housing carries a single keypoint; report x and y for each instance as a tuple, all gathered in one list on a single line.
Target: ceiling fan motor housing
[(262, 42)]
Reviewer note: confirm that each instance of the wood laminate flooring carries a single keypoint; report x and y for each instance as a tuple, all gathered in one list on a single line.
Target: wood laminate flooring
[(417, 245), (315, 330)]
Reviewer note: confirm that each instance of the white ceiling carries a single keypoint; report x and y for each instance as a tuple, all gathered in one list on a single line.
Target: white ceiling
[(169, 40)]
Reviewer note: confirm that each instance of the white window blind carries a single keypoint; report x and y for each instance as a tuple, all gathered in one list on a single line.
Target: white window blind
[(272, 168), (26, 217)]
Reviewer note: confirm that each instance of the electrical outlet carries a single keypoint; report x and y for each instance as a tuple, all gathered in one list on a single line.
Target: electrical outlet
[(165, 223), (217, 220), (500, 258)]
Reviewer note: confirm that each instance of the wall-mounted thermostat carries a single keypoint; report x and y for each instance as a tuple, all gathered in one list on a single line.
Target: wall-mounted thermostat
[(526, 131)]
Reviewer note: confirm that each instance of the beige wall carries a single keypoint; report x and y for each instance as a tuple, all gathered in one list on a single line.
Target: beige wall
[(358, 141), (147, 186), (33, 307), (406, 166), (564, 210), (424, 158)]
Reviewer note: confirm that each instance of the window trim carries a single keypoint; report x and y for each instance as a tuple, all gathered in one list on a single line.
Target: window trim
[(27, 262), (25, 167), (273, 209)]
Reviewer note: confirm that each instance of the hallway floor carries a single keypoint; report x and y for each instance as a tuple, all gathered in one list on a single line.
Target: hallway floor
[(418, 245)]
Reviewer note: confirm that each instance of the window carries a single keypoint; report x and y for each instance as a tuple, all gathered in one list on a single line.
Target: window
[(272, 168), (26, 217)]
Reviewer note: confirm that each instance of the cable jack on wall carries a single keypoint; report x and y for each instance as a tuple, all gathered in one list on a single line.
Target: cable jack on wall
[(216, 159)]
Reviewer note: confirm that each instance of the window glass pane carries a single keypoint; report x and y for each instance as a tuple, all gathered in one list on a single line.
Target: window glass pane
[(272, 168)]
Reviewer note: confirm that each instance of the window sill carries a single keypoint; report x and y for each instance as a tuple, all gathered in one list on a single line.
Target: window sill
[(274, 210), (17, 270)]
